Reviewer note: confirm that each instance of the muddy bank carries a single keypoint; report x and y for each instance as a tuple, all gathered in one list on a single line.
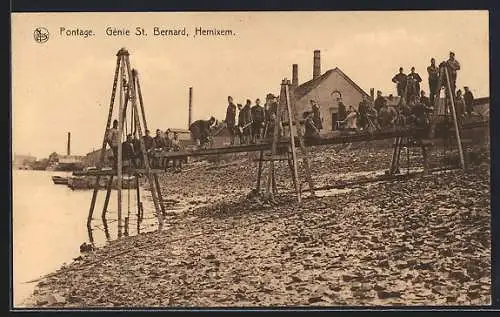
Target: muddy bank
[(425, 241)]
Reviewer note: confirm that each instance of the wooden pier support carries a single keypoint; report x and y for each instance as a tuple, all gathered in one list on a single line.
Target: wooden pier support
[(109, 187)]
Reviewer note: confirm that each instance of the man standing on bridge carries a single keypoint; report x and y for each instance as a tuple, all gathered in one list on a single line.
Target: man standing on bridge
[(433, 72), (231, 118), (400, 80), (469, 101), (453, 66), (258, 117)]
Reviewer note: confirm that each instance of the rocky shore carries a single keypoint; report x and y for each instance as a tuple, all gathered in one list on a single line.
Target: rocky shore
[(423, 241)]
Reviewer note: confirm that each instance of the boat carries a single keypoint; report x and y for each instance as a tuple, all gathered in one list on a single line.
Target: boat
[(78, 182), (88, 182), (59, 180)]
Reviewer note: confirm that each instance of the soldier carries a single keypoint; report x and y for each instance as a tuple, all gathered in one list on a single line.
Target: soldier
[(469, 101), (258, 116), (453, 67), (316, 115), (230, 118), (433, 72), (245, 122), (149, 144), (379, 101), (400, 80), (311, 131), (200, 131), (128, 151), (414, 81), (362, 111), (113, 139)]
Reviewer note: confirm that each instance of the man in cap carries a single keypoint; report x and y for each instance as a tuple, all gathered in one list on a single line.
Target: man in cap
[(271, 109), (414, 81), (400, 80), (245, 122), (230, 118), (453, 66), (379, 101), (469, 101), (433, 72), (258, 116), (316, 115)]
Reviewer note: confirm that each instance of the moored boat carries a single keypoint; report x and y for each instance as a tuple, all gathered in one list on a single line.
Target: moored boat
[(59, 180)]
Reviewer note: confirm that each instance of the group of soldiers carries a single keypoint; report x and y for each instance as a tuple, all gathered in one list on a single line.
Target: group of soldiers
[(250, 123), (255, 121), (413, 107), (132, 152)]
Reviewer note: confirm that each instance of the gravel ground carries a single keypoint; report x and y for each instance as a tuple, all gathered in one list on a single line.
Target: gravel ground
[(424, 241)]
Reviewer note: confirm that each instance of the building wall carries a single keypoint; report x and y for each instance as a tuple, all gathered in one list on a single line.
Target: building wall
[(323, 96)]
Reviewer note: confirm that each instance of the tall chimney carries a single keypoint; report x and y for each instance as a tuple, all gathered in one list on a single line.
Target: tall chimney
[(316, 64), (295, 75), (190, 119), (68, 150)]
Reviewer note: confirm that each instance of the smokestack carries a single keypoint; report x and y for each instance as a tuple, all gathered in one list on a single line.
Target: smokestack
[(190, 106), (295, 75), (316, 64), (68, 150)]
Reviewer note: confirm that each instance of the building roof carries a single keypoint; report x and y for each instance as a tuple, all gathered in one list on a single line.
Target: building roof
[(308, 86)]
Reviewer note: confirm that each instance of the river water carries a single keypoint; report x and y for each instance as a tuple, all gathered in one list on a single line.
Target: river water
[(49, 225)]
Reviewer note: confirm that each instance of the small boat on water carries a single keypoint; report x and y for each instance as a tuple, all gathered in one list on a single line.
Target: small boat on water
[(59, 180), (88, 182)]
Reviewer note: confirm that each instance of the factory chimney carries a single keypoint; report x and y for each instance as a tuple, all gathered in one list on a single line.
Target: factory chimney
[(190, 119), (68, 150), (295, 75), (316, 64)]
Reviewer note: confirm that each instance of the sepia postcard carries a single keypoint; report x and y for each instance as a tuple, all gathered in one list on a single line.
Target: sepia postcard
[(250, 159)]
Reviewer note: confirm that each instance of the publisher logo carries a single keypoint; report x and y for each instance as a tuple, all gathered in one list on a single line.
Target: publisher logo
[(41, 35)]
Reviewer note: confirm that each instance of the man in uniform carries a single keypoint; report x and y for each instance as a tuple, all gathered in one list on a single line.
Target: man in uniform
[(414, 81), (400, 80), (379, 101), (433, 72), (316, 115), (453, 66), (469, 101), (245, 122), (200, 131), (231, 118), (258, 116)]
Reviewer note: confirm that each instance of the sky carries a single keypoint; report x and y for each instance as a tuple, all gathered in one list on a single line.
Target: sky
[(64, 85)]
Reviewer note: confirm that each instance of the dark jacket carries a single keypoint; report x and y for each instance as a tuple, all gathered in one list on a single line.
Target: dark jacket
[(159, 142), (149, 142), (342, 111), (433, 72), (230, 115), (311, 130), (258, 114), (400, 80), (128, 151), (468, 98), (245, 116), (379, 103), (200, 129), (137, 146), (317, 118)]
